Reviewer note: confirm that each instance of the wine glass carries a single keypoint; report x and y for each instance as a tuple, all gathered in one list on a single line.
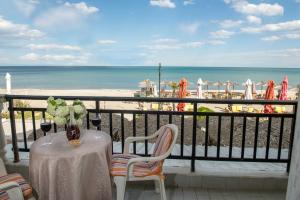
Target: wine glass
[(45, 125), (96, 121)]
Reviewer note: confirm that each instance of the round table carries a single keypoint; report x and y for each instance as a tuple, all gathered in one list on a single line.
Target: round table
[(60, 171)]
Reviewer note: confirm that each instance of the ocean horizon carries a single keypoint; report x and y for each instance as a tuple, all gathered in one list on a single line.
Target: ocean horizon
[(128, 77)]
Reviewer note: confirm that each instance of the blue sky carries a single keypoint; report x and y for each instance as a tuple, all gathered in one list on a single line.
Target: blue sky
[(235, 33)]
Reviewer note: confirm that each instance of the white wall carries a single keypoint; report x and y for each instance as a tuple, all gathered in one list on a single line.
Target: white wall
[(293, 191)]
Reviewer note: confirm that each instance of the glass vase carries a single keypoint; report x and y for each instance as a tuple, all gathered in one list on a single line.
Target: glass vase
[(73, 132)]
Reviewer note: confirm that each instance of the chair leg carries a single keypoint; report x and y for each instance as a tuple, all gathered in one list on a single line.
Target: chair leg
[(157, 186), (120, 182), (162, 189)]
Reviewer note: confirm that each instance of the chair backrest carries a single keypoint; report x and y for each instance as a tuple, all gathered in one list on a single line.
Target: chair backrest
[(166, 140)]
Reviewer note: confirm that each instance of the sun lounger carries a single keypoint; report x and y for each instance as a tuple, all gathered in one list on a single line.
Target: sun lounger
[(279, 109), (239, 108), (236, 108), (154, 106), (250, 109)]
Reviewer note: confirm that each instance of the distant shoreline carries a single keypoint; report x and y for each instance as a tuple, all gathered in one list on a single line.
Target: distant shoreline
[(150, 66)]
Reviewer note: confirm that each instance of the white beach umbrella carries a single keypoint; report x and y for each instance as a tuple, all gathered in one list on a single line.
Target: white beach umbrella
[(155, 93), (228, 85), (199, 88), (146, 84), (8, 83), (248, 90), (218, 84), (253, 88), (233, 85), (261, 84)]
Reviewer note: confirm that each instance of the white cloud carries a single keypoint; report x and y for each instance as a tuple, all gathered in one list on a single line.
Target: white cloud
[(188, 2), (271, 38), (293, 35), (163, 3), (53, 47), (290, 36), (170, 44), (30, 57), (245, 7), (26, 7), (253, 19), (193, 44), (82, 7), (49, 58), (216, 42), (106, 42), (283, 26), (65, 16), (190, 28), (222, 34), (230, 23), (9, 29)]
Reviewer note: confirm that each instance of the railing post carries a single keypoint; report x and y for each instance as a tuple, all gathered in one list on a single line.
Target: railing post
[(194, 137), (2, 134), (13, 131)]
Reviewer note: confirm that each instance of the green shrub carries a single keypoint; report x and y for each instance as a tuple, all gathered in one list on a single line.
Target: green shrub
[(203, 109), (21, 104), (5, 115)]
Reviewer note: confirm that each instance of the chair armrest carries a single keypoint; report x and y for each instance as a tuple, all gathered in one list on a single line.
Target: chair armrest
[(134, 139), (13, 190), (132, 161)]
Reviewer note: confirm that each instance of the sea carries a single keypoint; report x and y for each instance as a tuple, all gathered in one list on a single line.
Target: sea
[(112, 77)]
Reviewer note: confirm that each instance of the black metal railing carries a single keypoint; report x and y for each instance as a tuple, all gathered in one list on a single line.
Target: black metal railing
[(202, 135)]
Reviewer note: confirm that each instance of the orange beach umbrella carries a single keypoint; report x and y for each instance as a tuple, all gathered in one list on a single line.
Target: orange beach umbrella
[(182, 93), (284, 89), (269, 96)]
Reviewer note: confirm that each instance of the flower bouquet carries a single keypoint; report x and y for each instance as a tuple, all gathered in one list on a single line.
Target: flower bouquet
[(71, 116)]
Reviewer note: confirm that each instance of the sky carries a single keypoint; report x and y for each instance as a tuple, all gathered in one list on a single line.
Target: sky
[(221, 33)]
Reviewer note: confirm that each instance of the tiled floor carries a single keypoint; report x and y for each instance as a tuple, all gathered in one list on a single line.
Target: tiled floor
[(148, 193)]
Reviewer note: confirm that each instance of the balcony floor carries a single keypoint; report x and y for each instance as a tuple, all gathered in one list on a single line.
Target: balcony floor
[(148, 193)]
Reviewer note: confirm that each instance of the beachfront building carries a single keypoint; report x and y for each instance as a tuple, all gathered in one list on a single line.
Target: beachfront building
[(217, 155)]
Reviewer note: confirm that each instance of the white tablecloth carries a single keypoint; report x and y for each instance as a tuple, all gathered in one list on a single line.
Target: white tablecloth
[(61, 171)]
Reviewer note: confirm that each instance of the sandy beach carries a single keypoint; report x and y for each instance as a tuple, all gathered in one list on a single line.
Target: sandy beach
[(113, 93)]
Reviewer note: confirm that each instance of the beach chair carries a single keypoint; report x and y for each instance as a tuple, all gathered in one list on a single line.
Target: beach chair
[(239, 108), (279, 109), (154, 106), (167, 107), (250, 109), (233, 108), (14, 186), (129, 167)]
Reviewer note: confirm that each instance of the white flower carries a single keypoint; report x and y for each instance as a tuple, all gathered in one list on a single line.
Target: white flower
[(60, 102), (51, 109), (78, 109), (62, 111), (79, 122), (60, 121)]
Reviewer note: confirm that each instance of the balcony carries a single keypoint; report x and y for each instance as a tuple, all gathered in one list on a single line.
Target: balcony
[(218, 155)]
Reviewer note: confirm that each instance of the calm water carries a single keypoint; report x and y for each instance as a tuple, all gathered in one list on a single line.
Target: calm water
[(55, 77)]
